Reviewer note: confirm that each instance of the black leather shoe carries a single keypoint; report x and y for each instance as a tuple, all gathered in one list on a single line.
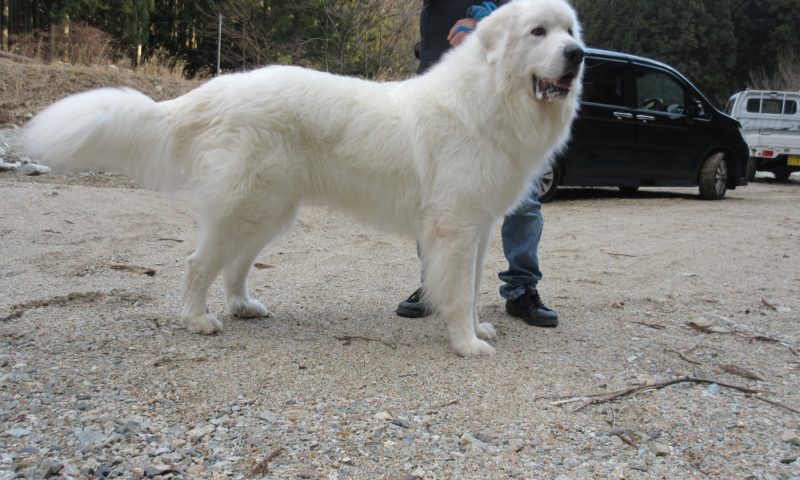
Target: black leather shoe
[(412, 307), (529, 307)]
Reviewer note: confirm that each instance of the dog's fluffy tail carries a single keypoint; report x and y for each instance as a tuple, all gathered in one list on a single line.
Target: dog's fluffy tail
[(115, 129)]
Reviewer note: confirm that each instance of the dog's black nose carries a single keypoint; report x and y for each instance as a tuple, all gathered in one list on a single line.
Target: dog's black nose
[(574, 56)]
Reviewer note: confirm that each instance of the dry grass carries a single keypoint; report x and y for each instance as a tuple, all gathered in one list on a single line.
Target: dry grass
[(25, 89)]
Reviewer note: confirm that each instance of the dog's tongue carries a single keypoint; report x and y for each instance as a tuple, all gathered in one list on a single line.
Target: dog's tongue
[(565, 83)]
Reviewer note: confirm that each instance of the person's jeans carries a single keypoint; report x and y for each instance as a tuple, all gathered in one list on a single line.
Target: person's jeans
[(521, 233)]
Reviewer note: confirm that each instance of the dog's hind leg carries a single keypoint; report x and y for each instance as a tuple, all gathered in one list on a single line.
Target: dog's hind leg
[(450, 252), (235, 273), (229, 238)]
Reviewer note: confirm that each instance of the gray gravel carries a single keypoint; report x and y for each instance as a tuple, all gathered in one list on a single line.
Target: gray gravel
[(98, 379)]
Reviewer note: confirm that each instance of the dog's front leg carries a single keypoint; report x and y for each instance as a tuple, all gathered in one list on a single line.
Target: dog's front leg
[(484, 330), (450, 251)]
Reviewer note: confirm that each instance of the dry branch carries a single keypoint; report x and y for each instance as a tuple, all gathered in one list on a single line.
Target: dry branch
[(598, 398)]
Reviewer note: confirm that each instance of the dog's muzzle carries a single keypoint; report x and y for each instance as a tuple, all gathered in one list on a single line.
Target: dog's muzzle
[(553, 89)]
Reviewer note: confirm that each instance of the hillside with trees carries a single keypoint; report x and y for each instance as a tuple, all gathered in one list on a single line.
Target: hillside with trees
[(722, 45)]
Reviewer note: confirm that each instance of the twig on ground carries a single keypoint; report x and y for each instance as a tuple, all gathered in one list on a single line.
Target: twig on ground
[(625, 435), (769, 305), (133, 268), (12, 316), (262, 467), (620, 254), (683, 355), (347, 339), (739, 371), (654, 326), (760, 338), (598, 398)]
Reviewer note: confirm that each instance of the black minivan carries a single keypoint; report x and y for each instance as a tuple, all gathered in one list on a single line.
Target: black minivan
[(641, 123)]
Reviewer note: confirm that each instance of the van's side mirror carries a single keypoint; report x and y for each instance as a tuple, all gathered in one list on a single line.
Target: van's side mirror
[(696, 108)]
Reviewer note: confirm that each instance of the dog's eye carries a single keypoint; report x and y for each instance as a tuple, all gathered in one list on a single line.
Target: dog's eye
[(539, 32), (569, 30)]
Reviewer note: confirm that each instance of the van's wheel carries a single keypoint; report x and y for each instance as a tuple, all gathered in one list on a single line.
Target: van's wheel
[(714, 177), (628, 190), (548, 182), (752, 166)]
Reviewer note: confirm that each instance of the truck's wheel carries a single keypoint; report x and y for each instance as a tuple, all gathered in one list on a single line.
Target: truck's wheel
[(752, 166), (782, 175), (714, 177)]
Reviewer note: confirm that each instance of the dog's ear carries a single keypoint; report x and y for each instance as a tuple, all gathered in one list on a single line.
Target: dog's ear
[(493, 35)]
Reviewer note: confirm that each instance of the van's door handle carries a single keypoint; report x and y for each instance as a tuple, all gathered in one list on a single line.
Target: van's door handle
[(623, 115), (646, 118)]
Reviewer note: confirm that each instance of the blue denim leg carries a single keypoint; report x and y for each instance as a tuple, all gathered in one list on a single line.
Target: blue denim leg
[(521, 233)]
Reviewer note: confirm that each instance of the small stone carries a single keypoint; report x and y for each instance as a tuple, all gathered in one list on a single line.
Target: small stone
[(197, 434), (154, 470), (306, 473), (9, 166), (50, 468), (400, 422), (268, 416), (177, 443), (711, 390), (293, 415), (17, 432), (790, 437), (385, 416), (418, 472), (33, 169), (516, 444), (469, 443), (196, 469), (659, 449), (87, 437)]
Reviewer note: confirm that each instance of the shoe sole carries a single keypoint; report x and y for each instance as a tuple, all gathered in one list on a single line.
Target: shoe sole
[(541, 323), (411, 313)]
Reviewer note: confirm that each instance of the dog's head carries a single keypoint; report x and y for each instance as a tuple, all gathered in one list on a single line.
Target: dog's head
[(535, 45)]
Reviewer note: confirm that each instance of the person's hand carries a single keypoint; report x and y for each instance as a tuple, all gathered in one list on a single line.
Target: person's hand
[(461, 29)]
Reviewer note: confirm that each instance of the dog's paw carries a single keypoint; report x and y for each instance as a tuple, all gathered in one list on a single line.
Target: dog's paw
[(485, 331), (205, 324), (473, 348), (248, 309)]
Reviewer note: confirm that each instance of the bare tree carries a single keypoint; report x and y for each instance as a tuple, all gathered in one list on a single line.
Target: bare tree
[(785, 77), (369, 38)]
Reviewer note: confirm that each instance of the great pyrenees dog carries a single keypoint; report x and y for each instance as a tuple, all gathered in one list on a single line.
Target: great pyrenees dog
[(439, 157)]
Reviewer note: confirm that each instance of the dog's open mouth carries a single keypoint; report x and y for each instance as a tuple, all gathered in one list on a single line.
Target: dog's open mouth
[(550, 90)]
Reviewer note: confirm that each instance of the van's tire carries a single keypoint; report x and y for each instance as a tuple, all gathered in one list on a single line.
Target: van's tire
[(713, 179), (752, 166), (548, 182)]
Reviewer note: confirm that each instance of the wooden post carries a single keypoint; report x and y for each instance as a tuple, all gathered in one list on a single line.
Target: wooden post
[(4, 19)]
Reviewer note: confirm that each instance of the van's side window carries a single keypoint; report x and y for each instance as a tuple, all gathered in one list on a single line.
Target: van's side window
[(790, 107), (659, 92), (603, 82)]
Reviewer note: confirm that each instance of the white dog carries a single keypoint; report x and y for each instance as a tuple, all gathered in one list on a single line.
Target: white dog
[(439, 157)]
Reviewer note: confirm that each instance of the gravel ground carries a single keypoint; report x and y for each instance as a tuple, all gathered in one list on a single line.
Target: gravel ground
[(98, 379)]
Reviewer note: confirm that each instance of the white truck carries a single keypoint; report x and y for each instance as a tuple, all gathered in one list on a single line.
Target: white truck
[(771, 127)]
